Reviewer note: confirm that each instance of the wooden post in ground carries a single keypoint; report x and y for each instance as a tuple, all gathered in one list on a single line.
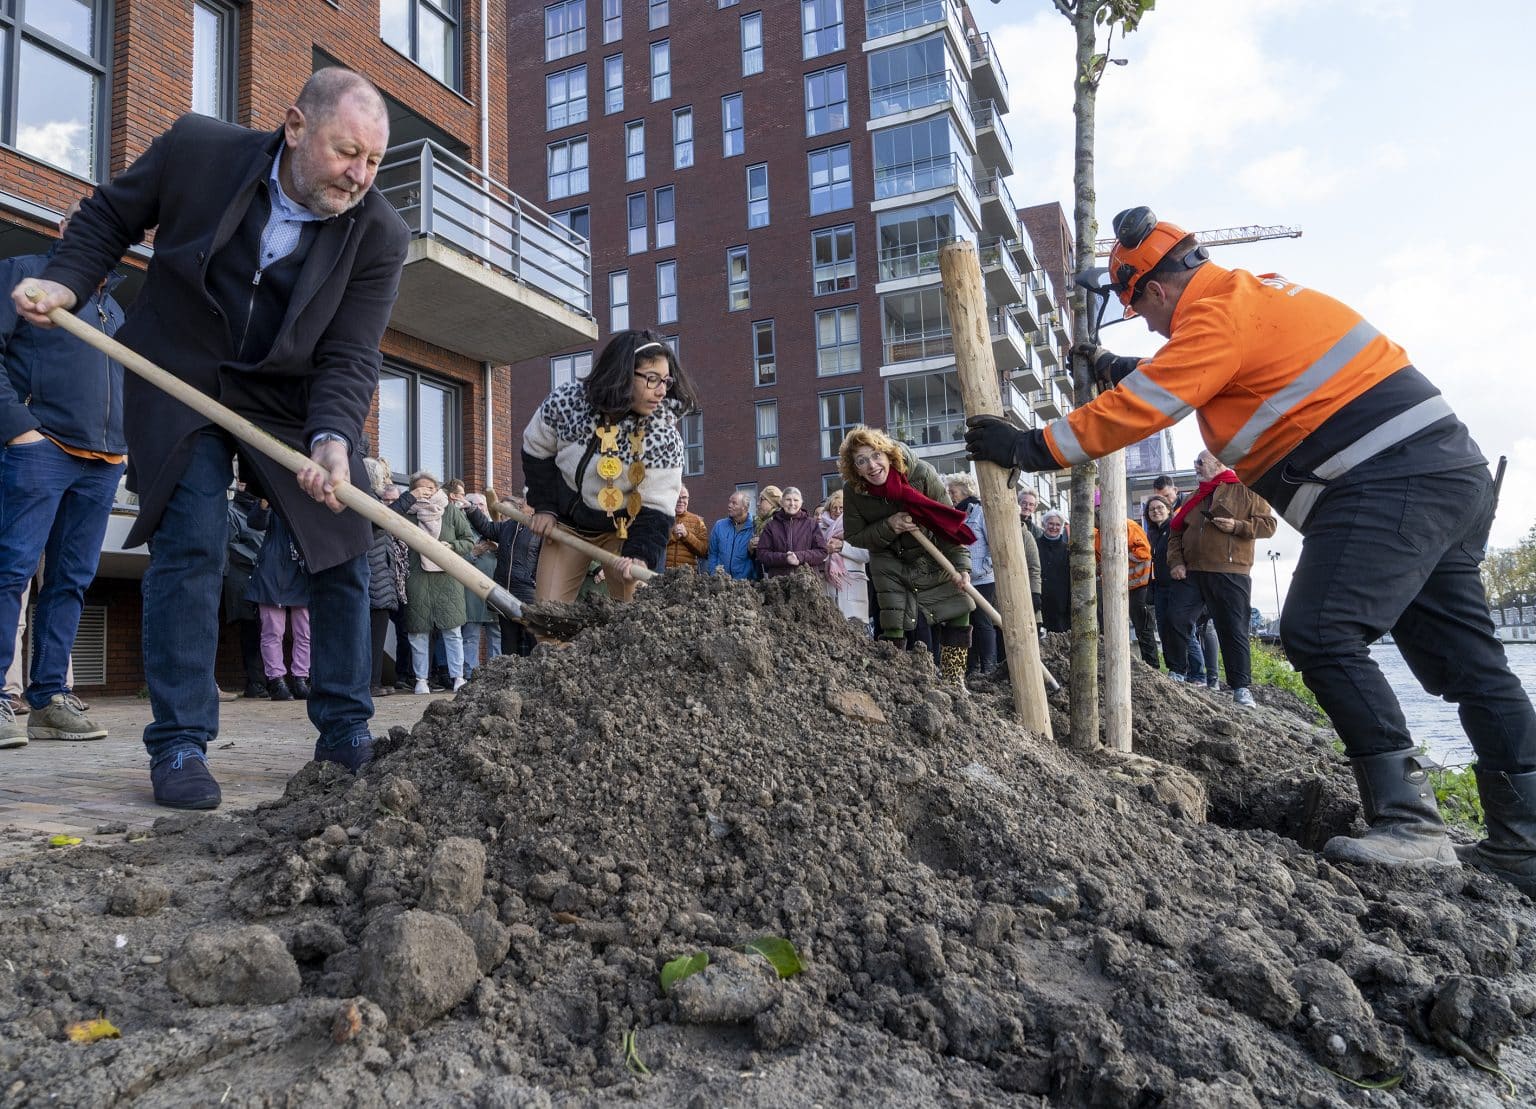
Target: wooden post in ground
[(974, 366), (1114, 574)]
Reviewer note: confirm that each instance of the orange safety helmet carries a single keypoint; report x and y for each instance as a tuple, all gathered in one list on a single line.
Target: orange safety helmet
[(1142, 243)]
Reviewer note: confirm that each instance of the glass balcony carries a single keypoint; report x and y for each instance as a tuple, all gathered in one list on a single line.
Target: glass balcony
[(1024, 252), (917, 92), (992, 140), (488, 274), (891, 17), (1048, 402), (1009, 347), (999, 272), (1016, 406), (1024, 309), (987, 72), (1028, 374), (999, 212), (938, 172)]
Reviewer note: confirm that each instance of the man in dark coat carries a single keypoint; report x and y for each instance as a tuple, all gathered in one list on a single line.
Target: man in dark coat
[(275, 269)]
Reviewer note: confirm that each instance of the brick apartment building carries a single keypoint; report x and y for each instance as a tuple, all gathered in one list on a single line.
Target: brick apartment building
[(489, 279), (769, 181)]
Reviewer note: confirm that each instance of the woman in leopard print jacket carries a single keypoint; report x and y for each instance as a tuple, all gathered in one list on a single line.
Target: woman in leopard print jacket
[(604, 458)]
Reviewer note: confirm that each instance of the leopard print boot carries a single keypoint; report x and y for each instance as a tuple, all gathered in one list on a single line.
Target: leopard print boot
[(952, 665)]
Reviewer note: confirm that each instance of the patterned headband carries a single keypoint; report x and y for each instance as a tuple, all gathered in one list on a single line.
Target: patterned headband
[(650, 346)]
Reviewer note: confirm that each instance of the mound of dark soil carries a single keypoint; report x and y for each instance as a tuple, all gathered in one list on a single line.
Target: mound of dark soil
[(481, 919)]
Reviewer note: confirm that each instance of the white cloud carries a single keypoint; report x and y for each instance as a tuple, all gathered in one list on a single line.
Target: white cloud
[(61, 142), (1288, 175)]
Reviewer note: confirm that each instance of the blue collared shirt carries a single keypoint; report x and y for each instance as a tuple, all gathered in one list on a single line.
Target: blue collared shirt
[(281, 235)]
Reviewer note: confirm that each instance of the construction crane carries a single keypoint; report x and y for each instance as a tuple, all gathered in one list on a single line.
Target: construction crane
[(1226, 236)]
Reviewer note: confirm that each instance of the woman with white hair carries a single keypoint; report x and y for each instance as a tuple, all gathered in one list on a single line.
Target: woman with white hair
[(847, 578), (791, 538), (1055, 577)]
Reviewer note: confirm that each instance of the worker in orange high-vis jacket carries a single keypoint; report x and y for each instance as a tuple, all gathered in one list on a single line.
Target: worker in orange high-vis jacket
[(1139, 581), (1327, 419)]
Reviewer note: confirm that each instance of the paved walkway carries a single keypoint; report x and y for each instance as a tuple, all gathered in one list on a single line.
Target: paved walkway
[(50, 787)]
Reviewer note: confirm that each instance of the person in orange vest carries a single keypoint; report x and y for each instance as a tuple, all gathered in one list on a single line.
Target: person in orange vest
[(1138, 550), (1329, 421)]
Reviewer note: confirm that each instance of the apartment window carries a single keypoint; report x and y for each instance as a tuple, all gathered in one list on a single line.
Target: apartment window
[(565, 29), (566, 368), (682, 138), (660, 13), (757, 195), (613, 84), (565, 98), (840, 413), (661, 69), (821, 26), (925, 409), (732, 125), (427, 32), (634, 150), (666, 217), (213, 59), (910, 76), (837, 341), (419, 421), (567, 170), (916, 325), (618, 300), (831, 174), (765, 364), (751, 44), (767, 433), (613, 20), (910, 238), (578, 220), (53, 65), (692, 427), (666, 292), (833, 266), (726, 3), (738, 291), (917, 157), (637, 223), (826, 100)]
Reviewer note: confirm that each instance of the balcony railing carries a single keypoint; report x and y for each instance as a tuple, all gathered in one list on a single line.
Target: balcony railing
[(982, 53), (890, 17), (903, 260), (444, 198), (997, 252), (1019, 405), (986, 116), (938, 172), (991, 187), (915, 92), (1003, 330), (922, 345)]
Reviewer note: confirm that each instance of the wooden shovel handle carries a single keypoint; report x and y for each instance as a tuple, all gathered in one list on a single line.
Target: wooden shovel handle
[(364, 504), (607, 559), (975, 595)]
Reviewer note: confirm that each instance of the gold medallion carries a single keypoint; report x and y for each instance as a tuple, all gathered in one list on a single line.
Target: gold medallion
[(634, 503), (610, 499), (636, 472), (609, 467)]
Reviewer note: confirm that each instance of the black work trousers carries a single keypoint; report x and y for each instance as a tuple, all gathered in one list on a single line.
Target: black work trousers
[(1226, 598), (1145, 623), (1401, 555)]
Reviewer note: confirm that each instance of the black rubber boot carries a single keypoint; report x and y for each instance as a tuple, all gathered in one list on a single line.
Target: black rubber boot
[(1399, 803), (1509, 810)]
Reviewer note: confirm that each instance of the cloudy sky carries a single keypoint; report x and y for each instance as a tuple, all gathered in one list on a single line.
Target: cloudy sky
[(1395, 133)]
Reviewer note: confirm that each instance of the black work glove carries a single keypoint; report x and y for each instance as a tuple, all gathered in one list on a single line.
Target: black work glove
[(1108, 369), (1038, 601), (994, 439)]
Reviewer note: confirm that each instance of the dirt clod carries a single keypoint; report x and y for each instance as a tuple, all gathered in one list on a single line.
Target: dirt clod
[(242, 966), (416, 965)]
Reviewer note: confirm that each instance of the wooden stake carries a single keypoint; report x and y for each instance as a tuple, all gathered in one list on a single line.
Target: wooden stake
[(1114, 575), (977, 372)]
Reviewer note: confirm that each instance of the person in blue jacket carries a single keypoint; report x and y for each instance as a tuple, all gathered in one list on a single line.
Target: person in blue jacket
[(62, 452), (730, 540)]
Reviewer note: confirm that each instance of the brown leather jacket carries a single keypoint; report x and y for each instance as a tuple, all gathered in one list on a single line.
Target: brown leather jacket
[(1200, 545), (692, 547)]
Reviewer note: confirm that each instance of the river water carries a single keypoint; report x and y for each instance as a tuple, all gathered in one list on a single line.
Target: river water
[(1434, 722)]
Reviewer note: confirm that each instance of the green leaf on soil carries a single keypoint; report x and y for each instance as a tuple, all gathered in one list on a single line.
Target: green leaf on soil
[(1385, 1084), (778, 951), (681, 967), (62, 840)]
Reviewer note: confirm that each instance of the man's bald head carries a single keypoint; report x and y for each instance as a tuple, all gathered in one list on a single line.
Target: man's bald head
[(327, 88)]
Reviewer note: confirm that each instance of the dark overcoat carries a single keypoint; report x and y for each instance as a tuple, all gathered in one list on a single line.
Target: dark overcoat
[(193, 186)]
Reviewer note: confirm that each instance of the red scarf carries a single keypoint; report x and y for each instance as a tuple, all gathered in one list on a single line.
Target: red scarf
[(940, 518), (1226, 477)]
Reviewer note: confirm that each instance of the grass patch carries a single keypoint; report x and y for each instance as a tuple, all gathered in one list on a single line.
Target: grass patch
[(1456, 790), (1270, 667)]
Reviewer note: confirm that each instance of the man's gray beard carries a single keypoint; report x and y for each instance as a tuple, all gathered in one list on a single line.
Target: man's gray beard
[(310, 195)]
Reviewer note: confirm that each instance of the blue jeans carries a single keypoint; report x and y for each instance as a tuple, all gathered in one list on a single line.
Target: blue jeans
[(182, 590), (472, 636), (55, 505)]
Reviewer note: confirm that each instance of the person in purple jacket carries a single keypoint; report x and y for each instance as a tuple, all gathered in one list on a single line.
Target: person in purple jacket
[(790, 538)]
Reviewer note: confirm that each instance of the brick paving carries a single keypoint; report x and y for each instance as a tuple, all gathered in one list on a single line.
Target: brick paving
[(49, 787)]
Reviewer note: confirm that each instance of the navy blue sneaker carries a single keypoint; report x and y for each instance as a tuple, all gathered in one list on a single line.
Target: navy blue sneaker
[(352, 754), (183, 782)]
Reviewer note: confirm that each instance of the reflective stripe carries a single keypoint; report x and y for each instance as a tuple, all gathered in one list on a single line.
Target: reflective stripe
[(1066, 442), (1313, 378), (1389, 434), (1410, 421), (1143, 388)]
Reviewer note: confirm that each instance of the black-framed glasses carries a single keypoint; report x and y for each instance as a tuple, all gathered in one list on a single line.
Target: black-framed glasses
[(654, 379)]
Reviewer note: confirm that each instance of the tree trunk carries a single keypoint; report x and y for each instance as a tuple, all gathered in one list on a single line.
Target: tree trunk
[(977, 372)]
